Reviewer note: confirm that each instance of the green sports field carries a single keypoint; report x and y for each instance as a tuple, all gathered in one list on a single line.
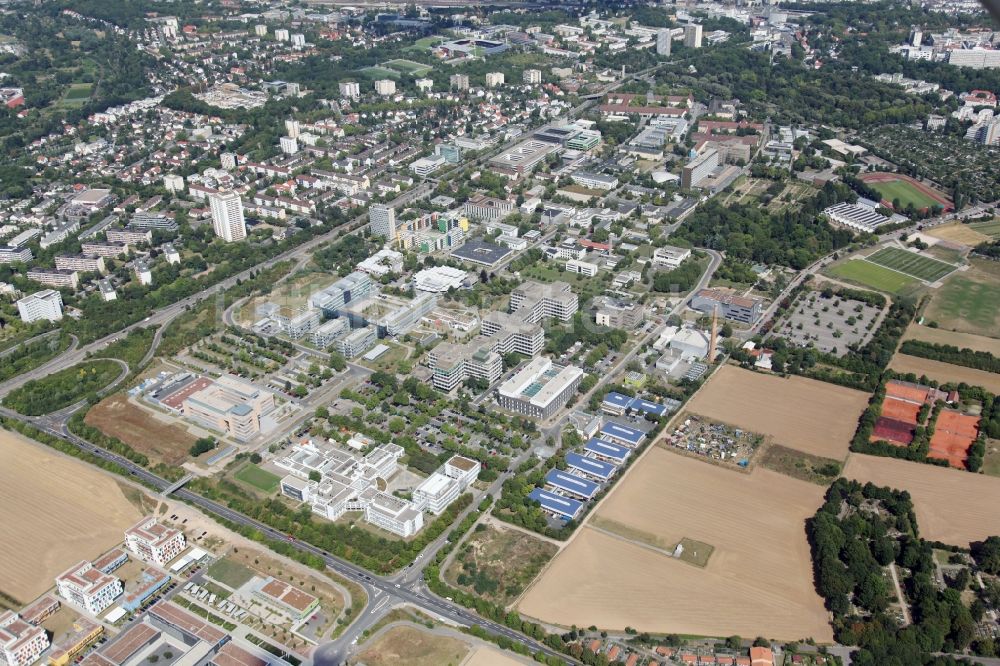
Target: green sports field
[(871, 275), (991, 228), (905, 192), (77, 94), (911, 263), (258, 478), (408, 66)]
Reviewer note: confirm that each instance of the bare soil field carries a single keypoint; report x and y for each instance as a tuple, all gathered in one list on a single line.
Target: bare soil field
[(952, 506), (940, 336), (116, 416), (956, 232), (409, 645), (945, 372), (804, 414), (756, 524), (57, 511)]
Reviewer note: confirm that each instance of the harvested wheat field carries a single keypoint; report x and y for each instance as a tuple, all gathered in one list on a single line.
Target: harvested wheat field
[(487, 656), (805, 414), (940, 336), (57, 511), (945, 372), (952, 506), (119, 417), (956, 232), (761, 560)]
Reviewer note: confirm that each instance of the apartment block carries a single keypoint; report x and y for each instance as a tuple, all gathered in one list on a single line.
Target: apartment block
[(88, 587), (55, 278), (482, 207), (106, 250), (14, 255), (129, 236), (154, 542), (329, 332), (21, 643), (46, 304), (80, 262)]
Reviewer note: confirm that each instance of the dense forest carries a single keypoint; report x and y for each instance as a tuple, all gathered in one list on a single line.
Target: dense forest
[(793, 238)]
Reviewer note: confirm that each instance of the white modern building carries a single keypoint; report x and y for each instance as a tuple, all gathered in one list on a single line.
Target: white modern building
[(154, 542), (21, 643), (540, 388), (383, 262), (349, 482), (385, 87), (444, 486), (669, 256), (89, 587), (227, 216), (532, 76), (46, 304), (289, 145), (494, 79), (664, 39), (439, 279)]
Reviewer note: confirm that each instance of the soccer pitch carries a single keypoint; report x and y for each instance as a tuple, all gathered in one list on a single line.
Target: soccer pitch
[(905, 192), (871, 275), (911, 263)]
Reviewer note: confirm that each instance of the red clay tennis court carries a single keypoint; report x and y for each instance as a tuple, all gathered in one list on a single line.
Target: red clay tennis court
[(906, 391), (900, 410), (953, 435)]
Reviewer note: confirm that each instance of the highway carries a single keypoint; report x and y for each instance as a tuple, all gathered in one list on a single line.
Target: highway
[(410, 590)]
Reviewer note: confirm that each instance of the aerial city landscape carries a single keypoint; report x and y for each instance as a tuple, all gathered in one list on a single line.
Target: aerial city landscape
[(491, 333)]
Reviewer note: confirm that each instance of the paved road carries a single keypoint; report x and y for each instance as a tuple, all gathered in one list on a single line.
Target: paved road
[(410, 591), (164, 315)]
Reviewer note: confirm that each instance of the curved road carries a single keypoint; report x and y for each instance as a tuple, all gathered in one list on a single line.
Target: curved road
[(411, 592)]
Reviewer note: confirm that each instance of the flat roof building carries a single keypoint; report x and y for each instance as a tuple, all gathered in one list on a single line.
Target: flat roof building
[(540, 301), (743, 309), (558, 505), (605, 450), (482, 253), (21, 643), (590, 467), (622, 434), (154, 542), (45, 304), (563, 482), (230, 406), (540, 388), (88, 587)]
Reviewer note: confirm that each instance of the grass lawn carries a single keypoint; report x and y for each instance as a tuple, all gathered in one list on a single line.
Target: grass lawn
[(911, 263), (969, 301), (871, 275), (800, 465), (991, 461), (905, 192), (425, 43), (379, 72), (229, 573), (77, 94), (991, 228), (258, 478)]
